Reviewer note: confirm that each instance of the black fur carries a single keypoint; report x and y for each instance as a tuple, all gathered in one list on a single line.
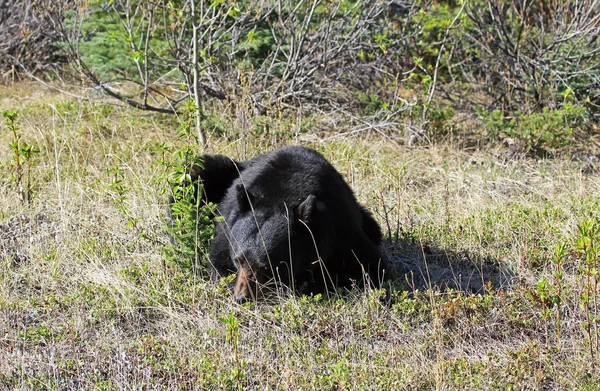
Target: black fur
[(217, 174), (288, 216)]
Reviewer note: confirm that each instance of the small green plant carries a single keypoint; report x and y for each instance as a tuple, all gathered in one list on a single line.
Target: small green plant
[(116, 185), (22, 159), (560, 253), (371, 103), (546, 293), (439, 119), (191, 227), (538, 132), (233, 338), (589, 248)]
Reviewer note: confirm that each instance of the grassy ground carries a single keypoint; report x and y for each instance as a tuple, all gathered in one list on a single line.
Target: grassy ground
[(87, 300)]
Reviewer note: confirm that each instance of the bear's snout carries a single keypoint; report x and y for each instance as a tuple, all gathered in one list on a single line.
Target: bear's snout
[(245, 288)]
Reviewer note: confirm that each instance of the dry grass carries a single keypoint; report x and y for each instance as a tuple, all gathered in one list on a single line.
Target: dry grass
[(88, 303)]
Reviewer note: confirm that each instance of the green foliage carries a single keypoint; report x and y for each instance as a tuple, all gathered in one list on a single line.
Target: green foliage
[(488, 48), (432, 24), (106, 50), (232, 337), (528, 52), (110, 50), (22, 160), (371, 103), (192, 227), (439, 118), (588, 246), (539, 132), (560, 253), (113, 50), (548, 297), (214, 124), (550, 294), (259, 43), (117, 186)]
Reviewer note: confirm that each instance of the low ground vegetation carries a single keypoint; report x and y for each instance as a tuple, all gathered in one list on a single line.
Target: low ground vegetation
[(494, 284)]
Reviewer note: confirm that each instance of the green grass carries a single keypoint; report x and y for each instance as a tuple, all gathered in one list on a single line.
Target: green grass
[(88, 300)]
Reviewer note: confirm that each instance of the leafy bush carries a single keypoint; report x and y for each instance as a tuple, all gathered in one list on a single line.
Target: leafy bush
[(192, 227), (528, 53), (359, 59), (538, 132)]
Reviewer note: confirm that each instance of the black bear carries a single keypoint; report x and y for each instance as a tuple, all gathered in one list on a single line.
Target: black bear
[(288, 218)]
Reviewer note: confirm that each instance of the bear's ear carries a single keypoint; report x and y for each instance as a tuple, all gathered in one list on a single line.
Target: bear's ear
[(308, 208), (244, 197)]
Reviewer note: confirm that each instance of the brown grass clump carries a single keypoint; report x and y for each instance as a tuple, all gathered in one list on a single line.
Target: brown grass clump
[(88, 300)]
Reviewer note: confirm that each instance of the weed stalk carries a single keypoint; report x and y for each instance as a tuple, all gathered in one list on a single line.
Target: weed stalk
[(23, 157), (232, 337), (559, 255), (586, 243)]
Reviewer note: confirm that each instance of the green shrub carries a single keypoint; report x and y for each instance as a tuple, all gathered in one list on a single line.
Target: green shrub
[(192, 228), (538, 132), (22, 160)]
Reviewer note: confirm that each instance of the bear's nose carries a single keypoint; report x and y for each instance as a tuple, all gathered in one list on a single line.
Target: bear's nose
[(244, 285)]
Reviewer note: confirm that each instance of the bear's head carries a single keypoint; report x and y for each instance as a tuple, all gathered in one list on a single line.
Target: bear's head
[(273, 240)]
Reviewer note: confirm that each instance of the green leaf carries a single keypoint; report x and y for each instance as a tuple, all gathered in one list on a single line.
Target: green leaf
[(138, 56)]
